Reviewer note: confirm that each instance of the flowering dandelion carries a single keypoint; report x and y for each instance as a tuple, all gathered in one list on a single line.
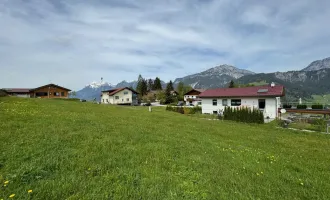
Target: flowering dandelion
[(29, 191), (6, 182), (12, 196)]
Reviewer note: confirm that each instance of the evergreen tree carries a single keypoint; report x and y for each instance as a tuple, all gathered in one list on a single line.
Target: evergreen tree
[(142, 86), (168, 95), (231, 84), (150, 84), (157, 84), (170, 85)]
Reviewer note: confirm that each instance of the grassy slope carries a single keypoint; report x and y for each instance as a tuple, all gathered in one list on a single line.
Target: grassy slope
[(74, 150)]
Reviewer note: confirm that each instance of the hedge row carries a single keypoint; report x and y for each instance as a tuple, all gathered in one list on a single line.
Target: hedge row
[(317, 106), (184, 110), (301, 106), (244, 114), (287, 106)]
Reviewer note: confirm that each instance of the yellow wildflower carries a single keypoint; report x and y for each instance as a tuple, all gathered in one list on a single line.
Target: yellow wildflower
[(301, 183), (6, 182), (258, 174), (29, 191), (262, 172), (11, 196)]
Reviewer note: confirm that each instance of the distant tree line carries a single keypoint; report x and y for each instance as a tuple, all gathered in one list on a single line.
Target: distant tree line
[(151, 90)]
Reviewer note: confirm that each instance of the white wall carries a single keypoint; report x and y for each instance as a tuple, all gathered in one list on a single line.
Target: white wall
[(123, 98), (193, 97), (270, 109)]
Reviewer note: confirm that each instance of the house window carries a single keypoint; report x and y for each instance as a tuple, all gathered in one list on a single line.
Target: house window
[(224, 102), (199, 103), (41, 94), (125, 92), (215, 112), (127, 99), (56, 94), (236, 102), (215, 102), (262, 103), (62, 94), (103, 100), (107, 100), (116, 97)]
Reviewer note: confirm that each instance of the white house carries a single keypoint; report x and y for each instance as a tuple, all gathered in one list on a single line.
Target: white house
[(119, 96), (265, 98), (191, 97)]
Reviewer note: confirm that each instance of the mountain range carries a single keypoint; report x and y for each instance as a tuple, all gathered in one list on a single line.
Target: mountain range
[(314, 79)]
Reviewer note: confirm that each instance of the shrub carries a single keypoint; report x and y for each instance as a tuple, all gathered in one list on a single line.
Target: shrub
[(187, 110), (244, 114), (3, 93), (184, 110), (301, 106), (287, 106), (317, 106), (320, 124)]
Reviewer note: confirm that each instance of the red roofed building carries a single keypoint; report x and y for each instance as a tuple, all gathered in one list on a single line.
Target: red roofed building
[(266, 98), (119, 96)]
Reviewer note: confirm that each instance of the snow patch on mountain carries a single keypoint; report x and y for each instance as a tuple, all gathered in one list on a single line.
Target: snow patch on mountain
[(96, 85)]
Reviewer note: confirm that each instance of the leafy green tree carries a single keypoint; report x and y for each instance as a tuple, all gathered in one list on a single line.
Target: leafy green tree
[(161, 97), (180, 88), (157, 84)]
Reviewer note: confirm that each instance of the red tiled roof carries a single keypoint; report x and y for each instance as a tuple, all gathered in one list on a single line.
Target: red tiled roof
[(17, 90), (257, 91), (114, 91)]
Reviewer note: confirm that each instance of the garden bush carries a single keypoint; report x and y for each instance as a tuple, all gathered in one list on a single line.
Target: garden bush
[(244, 114), (184, 110), (287, 106), (301, 106), (317, 106)]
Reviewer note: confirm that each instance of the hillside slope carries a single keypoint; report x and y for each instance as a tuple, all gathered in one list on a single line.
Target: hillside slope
[(299, 84), (73, 150)]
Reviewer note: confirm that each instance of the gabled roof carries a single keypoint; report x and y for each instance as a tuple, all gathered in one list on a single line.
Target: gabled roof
[(258, 91), (51, 85), (114, 91), (17, 90), (197, 90)]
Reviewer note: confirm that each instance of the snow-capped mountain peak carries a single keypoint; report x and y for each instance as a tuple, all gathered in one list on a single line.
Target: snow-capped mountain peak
[(96, 85)]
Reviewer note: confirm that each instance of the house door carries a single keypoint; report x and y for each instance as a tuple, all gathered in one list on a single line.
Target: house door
[(262, 104)]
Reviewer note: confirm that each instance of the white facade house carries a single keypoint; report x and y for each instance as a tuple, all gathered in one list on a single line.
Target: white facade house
[(264, 98), (120, 96), (191, 97)]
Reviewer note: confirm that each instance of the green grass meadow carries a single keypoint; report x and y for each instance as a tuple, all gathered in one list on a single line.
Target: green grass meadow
[(73, 150)]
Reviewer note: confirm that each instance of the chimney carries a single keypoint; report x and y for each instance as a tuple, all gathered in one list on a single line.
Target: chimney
[(272, 84)]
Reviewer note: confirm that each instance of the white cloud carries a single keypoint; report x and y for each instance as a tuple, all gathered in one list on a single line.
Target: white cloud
[(73, 43)]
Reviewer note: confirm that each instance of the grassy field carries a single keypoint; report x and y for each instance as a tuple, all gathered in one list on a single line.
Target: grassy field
[(73, 150)]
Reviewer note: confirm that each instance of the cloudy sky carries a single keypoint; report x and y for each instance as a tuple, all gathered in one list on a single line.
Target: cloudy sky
[(74, 42)]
